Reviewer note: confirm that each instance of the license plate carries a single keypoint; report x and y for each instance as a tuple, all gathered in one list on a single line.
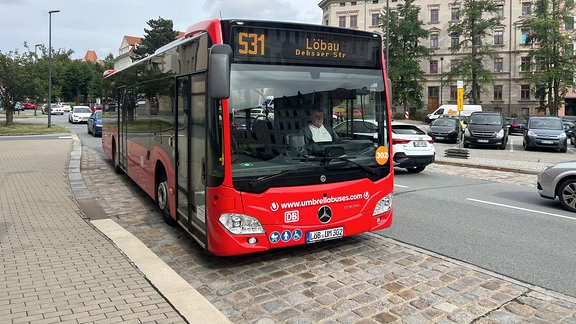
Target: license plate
[(482, 141), (439, 137), (420, 143), (547, 142), (327, 234)]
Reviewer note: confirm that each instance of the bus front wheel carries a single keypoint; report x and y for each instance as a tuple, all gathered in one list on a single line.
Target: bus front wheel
[(162, 199)]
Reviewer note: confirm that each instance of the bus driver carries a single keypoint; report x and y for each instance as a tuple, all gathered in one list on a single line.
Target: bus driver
[(316, 131)]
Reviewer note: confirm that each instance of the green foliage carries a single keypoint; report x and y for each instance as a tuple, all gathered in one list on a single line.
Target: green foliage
[(477, 21), (405, 53), (161, 32), (552, 67)]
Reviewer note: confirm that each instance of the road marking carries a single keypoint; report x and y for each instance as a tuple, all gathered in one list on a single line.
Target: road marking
[(511, 144), (520, 208), (401, 186), (64, 137)]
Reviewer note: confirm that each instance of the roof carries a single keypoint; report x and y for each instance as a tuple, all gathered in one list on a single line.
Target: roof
[(133, 40)]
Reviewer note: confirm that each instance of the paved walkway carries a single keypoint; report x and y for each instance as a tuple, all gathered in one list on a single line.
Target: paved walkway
[(56, 266), (59, 266)]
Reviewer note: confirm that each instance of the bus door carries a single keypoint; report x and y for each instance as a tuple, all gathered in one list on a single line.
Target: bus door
[(191, 152), (126, 106)]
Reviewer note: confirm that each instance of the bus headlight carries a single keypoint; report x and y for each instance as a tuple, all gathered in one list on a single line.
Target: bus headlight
[(241, 224), (384, 205)]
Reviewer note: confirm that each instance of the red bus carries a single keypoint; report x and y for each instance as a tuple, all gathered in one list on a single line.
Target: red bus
[(213, 128)]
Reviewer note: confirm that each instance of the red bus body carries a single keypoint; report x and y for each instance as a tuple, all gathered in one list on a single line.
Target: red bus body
[(200, 156)]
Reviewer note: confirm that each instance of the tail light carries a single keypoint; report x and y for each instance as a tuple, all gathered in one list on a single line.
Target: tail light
[(400, 141)]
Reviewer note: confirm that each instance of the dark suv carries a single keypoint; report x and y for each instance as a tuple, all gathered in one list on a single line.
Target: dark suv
[(486, 129)]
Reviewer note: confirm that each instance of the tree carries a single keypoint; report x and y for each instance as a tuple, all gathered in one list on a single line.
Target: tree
[(405, 53), (160, 34), (551, 53), (17, 80), (473, 34)]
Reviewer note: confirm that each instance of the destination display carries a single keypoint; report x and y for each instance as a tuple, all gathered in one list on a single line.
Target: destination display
[(286, 46)]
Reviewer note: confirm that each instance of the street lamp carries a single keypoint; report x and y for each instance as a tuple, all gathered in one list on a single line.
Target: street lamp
[(50, 66), (441, 75), (36, 61), (387, 33)]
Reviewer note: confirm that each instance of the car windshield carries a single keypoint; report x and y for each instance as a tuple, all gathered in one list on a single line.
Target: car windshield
[(82, 110), (482, 119), (273, 108), (445, 122), (546, 123)]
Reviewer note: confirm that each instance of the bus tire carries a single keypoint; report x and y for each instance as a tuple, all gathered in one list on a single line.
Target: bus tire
[(163, 200)]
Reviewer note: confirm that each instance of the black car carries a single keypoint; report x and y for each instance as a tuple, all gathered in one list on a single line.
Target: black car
[(486, 129), (445, 129), (517, 125)]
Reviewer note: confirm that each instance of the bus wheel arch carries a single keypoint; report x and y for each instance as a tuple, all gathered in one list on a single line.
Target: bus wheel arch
[(163, 195)]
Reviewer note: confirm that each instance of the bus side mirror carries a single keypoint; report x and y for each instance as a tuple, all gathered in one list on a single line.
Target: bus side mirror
[(219, 71)]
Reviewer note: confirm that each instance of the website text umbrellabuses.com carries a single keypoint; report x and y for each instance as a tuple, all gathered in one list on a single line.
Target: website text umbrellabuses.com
[(323, 201)]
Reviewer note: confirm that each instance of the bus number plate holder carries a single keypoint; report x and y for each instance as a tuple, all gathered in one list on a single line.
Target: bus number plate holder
[(323, 235)]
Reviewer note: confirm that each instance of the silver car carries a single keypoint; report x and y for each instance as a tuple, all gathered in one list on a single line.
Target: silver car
[(559, 180)]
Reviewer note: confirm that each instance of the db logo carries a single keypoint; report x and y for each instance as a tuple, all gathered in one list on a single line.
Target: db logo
[(291, 216)]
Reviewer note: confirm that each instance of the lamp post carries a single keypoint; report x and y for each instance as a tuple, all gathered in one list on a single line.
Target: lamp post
[(50, 66), (387, 32), (36, 61), (441, 77)]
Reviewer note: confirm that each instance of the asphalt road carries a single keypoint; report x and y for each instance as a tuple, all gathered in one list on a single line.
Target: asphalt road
[(503, 227)]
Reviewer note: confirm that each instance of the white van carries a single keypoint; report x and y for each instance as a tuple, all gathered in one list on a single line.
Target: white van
[(452, 110)]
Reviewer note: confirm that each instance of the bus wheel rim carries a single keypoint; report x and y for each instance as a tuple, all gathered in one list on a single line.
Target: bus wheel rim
[(163, 195)]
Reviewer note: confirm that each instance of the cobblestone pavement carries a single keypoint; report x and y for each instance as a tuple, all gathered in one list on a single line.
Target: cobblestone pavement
[(54, 266), (367, 278)]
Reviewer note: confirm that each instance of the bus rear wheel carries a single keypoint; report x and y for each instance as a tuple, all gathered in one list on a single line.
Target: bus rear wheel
[(162, 199)]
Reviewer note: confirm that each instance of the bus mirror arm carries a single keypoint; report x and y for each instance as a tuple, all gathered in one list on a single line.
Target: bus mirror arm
[(219, 71)]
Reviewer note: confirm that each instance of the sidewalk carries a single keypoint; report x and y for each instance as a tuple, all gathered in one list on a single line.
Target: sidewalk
[(58, 266)]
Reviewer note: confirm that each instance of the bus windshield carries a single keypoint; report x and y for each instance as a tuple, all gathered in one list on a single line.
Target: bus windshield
[(272, 110)]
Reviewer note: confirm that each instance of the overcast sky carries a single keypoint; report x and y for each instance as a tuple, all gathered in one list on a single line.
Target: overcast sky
[(100, 25)]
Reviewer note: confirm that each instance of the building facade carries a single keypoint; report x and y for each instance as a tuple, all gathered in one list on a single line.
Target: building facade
[(509, 93)]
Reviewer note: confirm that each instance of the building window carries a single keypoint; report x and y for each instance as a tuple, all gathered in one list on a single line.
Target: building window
[(354, 21), (342, 21), (455, 14), (434, 67), (497, 92), (498, 64), (454, 41), (342, 4), (498, 109), (499, 10), (525, 112), (375, 19), (434, 15), (524, 64), (569, 23), (433, 92), (454, 64), (525, 92), (526, 8), (353, 3), (453, 92), (374, 1), (498, 37), (525, 35), (433, 40)]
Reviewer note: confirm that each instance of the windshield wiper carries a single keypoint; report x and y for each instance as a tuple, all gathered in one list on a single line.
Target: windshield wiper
[(261, 180), (327, 159)]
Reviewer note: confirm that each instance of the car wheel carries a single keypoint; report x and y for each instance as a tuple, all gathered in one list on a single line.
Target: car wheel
[(564, 149), (162, 198), (567, 194), (466, 145), (89, 131), (417, 169)]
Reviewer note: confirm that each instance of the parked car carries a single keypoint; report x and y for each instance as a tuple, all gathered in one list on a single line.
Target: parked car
[(29, 105), (18, 106), (412, 148), (486, 129), (79, 114), (517, 125), (94, 123), (57, 109), (545, 132), (559, 180), (446, 129)]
